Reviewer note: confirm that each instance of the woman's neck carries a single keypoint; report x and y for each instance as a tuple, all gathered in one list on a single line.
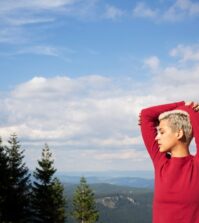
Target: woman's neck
[(180, 150)]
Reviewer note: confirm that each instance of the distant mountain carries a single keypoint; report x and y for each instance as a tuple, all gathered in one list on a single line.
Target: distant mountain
[(121, 181), (118, 204), (149, 174), (132, 182)]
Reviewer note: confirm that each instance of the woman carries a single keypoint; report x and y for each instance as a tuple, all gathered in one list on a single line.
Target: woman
[(167, 131)]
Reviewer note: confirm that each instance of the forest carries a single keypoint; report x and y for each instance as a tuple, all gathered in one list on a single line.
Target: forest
[(39, 196)]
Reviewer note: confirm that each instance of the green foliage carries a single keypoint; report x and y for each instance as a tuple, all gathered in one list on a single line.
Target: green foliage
[(17, 202), (4, 180), (48, 201), (45, 171), (58, 201), (84, 207)]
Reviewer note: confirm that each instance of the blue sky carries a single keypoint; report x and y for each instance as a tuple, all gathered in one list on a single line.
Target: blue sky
[(75, 74)]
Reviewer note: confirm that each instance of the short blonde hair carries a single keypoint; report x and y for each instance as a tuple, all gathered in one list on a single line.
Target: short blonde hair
[(179, 120)]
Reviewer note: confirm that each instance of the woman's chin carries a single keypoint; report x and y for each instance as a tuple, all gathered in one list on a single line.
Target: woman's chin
[(161, 150)]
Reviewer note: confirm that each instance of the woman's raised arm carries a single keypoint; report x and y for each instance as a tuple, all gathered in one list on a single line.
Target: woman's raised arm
[(148, 121)]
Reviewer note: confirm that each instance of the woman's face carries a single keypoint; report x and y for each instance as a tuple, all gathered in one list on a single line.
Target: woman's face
[(167, 139)]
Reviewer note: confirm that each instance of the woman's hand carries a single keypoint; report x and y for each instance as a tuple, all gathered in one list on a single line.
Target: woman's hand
[(194, 105)]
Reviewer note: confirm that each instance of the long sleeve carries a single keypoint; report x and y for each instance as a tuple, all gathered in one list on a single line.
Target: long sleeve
[(149, 121), (194, 118)]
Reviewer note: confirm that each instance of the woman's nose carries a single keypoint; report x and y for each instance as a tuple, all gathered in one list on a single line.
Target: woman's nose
[(157, 137)]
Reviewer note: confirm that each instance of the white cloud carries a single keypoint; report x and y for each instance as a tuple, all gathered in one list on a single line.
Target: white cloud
[(89, 109), (11, 5), (190, 7), (126, 154), (75, 115), (177, 11), (102, 160), (186, 53), (63, 53), (21, 13), (40, 50), (180, 10), (142, 10), (113, 12), (42, 11), (15, 16), (92, 120), (177, 81), (152, 62), (12, 35), (20, 21), (183, 81)]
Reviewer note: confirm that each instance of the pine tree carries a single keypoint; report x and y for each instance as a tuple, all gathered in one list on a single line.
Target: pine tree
[(84, 207), (58, 201), (47, 199), (17, 204), (4, 180)]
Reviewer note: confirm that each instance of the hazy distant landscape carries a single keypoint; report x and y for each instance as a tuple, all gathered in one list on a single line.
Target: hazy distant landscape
[(119, 199), (120, 181), (107, 176)]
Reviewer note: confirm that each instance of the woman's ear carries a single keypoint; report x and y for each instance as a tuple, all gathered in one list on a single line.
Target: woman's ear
[(180, 134)]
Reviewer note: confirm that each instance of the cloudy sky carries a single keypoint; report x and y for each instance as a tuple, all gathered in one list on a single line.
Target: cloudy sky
[(75, 74)]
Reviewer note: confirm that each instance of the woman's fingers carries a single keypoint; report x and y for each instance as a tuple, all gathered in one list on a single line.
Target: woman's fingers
[(194, 105), (139, 119)]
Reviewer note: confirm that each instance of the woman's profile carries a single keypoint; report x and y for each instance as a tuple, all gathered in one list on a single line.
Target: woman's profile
[(167, 131)]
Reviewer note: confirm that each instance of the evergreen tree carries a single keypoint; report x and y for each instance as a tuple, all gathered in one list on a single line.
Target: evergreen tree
[(84, 207), (4, 180), (47, 198), (17, 203), (58, 201)]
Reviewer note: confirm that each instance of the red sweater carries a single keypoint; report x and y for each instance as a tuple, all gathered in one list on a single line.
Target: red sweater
[(176, 193)]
